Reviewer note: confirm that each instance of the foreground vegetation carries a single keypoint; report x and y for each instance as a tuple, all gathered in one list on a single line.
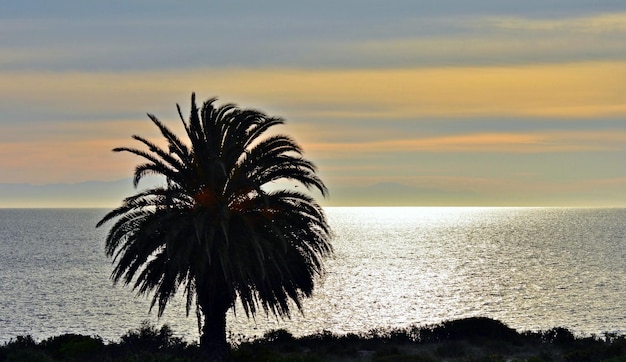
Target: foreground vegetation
[(472, 339)]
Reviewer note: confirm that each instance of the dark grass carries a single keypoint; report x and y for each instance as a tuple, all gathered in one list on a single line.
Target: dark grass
[(472, 339)]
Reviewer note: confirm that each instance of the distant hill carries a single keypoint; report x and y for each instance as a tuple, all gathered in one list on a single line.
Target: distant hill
[(82, 194), (395, 194), (110, 193)]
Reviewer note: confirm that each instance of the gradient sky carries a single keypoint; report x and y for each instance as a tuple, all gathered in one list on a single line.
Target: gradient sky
[(514, 103)]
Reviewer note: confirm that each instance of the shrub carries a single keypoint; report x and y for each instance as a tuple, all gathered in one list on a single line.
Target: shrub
[(22, 342), (148, 337), (478, 327), (23, 348), (278, 336), (558, 335), (72, 346)]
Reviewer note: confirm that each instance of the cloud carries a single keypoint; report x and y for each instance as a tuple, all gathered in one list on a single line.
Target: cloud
[(570, 90), (70, 151), (348, 37), (102, 110), (539, 142), (488, 40), (603, 23), (62, 161)]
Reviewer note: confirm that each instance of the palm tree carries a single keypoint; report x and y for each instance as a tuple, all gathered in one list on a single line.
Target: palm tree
[(214, 229)]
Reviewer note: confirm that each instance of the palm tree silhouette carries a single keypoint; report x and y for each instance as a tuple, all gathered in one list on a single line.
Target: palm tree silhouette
[(213, 229)]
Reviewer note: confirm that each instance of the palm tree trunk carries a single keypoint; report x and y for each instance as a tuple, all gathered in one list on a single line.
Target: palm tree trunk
[(213, 339), (214, 303)]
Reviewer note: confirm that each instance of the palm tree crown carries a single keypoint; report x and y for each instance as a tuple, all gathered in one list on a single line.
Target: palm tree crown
[(213, 229)]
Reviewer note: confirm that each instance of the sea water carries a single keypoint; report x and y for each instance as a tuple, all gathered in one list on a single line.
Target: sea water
[(532, 268)]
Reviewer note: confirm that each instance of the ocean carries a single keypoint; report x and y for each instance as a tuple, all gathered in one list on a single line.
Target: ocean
[(531, 268)]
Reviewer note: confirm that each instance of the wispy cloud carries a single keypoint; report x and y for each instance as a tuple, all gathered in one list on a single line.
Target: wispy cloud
[(70, 151), (105, 107), (603, 23), (55, 161), (489, 96), (572, 90), (556, 141), (321, 40)]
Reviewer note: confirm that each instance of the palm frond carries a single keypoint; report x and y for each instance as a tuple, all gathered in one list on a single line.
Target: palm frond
[(175, 144)]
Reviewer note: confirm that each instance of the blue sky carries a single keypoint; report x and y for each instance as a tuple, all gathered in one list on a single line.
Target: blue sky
[(515, 103)]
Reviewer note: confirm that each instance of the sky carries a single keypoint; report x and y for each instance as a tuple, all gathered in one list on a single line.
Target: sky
[(479, 103)]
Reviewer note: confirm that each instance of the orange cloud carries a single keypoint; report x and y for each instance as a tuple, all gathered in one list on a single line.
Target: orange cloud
[(70, 151), (569, 90), (61, 161)]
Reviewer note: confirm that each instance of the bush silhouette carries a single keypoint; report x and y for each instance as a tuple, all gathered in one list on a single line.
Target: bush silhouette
[(72, 346)]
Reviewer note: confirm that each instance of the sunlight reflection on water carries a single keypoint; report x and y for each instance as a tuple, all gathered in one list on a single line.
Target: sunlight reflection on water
[(532, 268)]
